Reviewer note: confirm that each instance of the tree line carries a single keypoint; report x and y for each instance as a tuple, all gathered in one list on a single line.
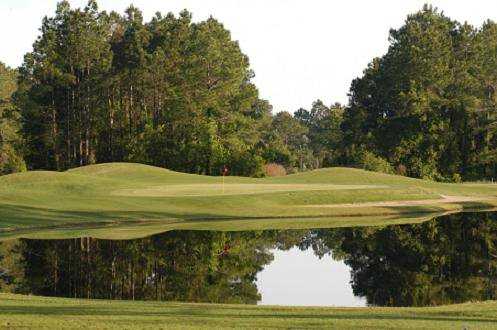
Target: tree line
[(103, 87), (428, 106)]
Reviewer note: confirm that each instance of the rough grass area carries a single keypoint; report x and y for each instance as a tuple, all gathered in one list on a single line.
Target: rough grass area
[(118, 193), (17, 311)]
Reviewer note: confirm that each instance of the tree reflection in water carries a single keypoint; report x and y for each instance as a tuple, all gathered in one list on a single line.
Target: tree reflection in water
[(447, 260)]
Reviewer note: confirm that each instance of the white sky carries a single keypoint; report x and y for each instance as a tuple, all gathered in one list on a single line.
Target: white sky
[(300, 50)]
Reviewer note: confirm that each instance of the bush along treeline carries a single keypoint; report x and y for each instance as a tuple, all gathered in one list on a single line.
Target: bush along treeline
[(102, 87)]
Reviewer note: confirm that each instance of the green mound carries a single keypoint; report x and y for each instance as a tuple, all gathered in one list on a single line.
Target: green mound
[(119, 192)]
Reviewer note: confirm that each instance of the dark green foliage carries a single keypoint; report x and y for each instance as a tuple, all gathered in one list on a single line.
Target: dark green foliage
[(286, 142), (102, 87), (369, 161), (324, 132), (445, 261), (428, 105), (11, 159), (307, 140)]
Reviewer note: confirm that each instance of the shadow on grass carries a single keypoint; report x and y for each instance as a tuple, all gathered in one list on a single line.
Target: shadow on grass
[(476, 206), (469, 206), (18, 216)]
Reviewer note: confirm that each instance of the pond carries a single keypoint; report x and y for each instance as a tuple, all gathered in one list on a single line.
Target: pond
[(450, 259)]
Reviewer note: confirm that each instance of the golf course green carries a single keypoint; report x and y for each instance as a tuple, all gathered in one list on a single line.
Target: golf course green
[(126, 200), (136, 200)]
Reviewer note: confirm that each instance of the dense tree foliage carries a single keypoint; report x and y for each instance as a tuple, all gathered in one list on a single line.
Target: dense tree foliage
[(101, 87), (324, 132), (10, 142), (428, 106)]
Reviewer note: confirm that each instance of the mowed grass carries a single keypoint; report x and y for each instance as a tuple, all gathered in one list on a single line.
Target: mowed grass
[(17, 311), (219, 189), (117, 194), (140, 229)]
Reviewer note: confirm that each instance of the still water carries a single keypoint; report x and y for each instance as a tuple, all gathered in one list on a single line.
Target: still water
[(299, 278), (450, 259)]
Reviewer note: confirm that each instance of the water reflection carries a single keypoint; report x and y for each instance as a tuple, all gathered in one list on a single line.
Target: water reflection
[(299, 278), (447, 260), (452, 259)]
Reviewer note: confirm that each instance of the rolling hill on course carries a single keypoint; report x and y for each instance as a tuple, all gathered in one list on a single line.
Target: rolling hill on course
[(127, 193)]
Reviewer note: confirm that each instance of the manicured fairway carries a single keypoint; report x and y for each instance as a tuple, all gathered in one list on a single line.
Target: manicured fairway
[(118, 194), (17, 311), (218, 189)]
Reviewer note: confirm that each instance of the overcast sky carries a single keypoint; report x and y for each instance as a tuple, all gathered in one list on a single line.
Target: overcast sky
[(300, 50)]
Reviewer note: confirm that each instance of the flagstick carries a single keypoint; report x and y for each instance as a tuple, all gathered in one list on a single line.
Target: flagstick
[(223, 183)]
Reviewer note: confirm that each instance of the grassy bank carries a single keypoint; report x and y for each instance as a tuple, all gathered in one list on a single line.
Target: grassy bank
[(142, 196), (139, 229), (41, 312)]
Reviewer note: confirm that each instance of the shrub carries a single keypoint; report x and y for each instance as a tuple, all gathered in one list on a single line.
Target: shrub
[(10, 161), (456, 177), (273, 169), (371, 162)]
